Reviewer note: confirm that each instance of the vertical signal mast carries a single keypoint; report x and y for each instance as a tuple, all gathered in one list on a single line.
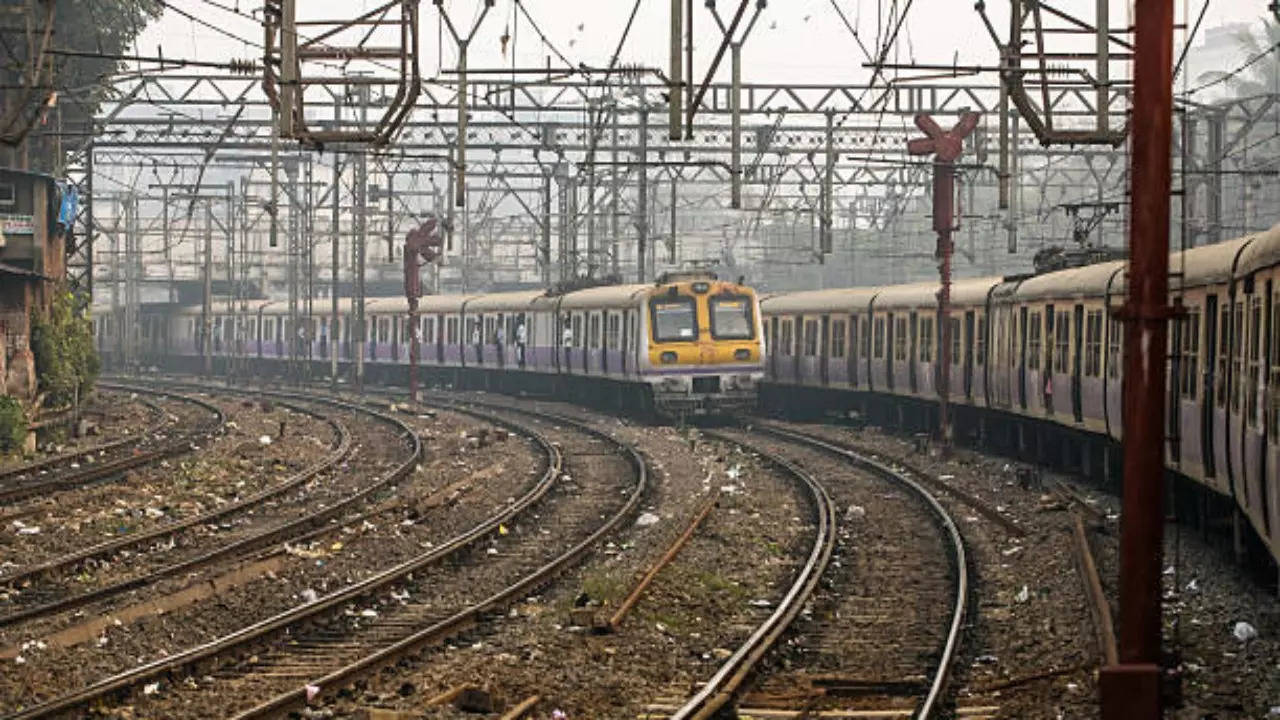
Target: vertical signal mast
[(305, 53)]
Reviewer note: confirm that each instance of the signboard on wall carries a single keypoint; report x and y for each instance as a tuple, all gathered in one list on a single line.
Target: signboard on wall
[(17, 224)]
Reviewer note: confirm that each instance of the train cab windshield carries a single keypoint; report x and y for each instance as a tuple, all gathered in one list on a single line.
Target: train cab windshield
[(674, 319), (731, 317)]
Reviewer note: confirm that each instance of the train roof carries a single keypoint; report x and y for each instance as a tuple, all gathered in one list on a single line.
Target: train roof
[(1260, 250), (441, 303), (514, 301), (388, 305), (919, 294), (838, 299), (1081, 282), (611, 296)]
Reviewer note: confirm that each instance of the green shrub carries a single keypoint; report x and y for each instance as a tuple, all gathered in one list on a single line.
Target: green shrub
[(13, 424), (62, 343)]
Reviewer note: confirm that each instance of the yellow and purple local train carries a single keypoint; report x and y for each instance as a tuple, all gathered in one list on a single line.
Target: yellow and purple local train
[(1037, 368), (688, 344)]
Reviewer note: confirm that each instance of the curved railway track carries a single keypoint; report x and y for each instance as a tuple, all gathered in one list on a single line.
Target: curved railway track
[(321, 622), (57, 473), (873, 628), (38, 601)]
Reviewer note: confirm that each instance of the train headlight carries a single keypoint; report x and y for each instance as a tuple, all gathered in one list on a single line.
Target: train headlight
[(743, 354), (668, 357), (672, 385)]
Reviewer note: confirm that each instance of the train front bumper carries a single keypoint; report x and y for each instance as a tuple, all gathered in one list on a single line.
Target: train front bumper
[(706, 393)]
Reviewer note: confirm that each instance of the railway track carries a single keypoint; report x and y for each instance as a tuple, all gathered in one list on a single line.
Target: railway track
[(264, 534), (46, 593), (109, 459), (884, 631), (324, 634)]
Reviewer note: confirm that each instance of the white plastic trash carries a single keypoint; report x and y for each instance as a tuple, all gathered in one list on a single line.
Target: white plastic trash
[(1244, 632), (646, 519)]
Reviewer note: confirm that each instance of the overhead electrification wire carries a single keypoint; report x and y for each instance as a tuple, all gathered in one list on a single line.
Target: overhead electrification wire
[(545, 41), (1234, 73), (596, 118)]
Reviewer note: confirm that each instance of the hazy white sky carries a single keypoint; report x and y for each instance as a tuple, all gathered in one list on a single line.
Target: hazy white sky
[(795, 41)]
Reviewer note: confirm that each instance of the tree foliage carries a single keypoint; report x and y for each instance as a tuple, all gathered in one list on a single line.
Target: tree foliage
[(1260, 46), (62, 343), (105, 27), (13, 424)]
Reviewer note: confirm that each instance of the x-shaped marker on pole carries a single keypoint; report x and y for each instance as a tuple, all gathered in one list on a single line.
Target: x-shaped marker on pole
[(946, 146)]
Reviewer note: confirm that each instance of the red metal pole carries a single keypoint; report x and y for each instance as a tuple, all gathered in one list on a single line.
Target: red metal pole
[(943, 219), (413, 348), (1131, 689), (945, 147)]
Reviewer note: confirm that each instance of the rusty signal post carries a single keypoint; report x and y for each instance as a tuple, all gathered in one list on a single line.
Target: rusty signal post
[(422, 244), (945, 148)]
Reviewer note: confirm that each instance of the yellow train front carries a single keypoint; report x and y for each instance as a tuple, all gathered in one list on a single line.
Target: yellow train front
[(688, 344), (702, 350)]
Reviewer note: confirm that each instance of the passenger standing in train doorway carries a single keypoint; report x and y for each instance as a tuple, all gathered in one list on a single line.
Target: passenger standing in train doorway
[(521, 339), (566, 339)]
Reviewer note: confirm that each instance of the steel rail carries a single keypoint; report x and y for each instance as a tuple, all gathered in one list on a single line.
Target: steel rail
[(472, 615), (724, 684), (181, 443), (342, 448), (50, 463), (929, 704), (291, 618)]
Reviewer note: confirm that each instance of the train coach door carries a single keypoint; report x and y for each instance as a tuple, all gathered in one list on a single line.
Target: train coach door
[(1211, 351), (913, 332), (772, 347), (1022, 356), (967, 349), (797, 348), (889, 346), (852, 349), (1077, 342), (824, 350)]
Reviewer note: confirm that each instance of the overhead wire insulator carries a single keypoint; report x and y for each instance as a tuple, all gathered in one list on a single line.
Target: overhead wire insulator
[(243, 66)]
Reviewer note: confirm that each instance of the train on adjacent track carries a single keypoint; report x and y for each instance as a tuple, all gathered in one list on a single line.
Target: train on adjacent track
[(1037, 369), (689, 344), (1036, 359)]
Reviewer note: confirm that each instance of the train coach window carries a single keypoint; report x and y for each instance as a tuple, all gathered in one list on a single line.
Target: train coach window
[(787, 347), (673, 318), (837, 338), (1114, 333), (611, 335), (1273, 372), (1093, 343), (1190, 353), (1254, 360), (810, 338), (1033, 342), (926, 339), (1237, 362), (594, 324), (879, 340), (900, 339), (731, 318), (980, 342), (1224, 336), (956, 341), (1062, 344)]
